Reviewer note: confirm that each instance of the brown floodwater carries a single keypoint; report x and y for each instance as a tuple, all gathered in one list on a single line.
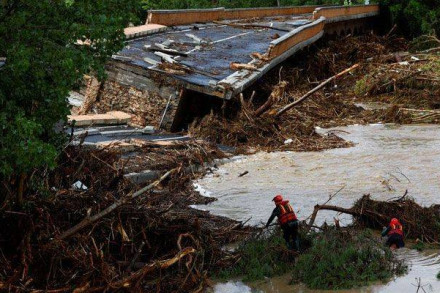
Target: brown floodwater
[(386, 161)]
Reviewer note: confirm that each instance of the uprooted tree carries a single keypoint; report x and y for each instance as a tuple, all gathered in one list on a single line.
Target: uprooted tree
[(48, 46)]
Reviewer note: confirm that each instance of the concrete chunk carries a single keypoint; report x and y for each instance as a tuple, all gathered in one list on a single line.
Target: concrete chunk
[(148, 129), (143, 30)]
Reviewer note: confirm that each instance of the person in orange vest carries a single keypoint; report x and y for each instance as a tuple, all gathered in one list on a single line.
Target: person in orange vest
[(394, 232), (287, 220)]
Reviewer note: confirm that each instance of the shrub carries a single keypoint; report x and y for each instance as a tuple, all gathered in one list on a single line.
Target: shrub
[(260, 257), (342, 259)]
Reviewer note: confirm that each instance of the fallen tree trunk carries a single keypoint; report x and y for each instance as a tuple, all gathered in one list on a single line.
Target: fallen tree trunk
[(321, 85), (354, 211), (331, 208), (90, 220)]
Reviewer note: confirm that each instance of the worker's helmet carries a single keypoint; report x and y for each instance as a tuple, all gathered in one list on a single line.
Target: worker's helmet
[(394, 221), (278, 199)]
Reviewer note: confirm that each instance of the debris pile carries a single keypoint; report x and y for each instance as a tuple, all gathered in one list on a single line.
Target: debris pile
[(408, 82), (113, 234), (296, 132), (405, 85), (419, 222)]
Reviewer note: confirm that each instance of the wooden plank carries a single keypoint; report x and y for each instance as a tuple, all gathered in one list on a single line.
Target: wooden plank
[(109, 118)]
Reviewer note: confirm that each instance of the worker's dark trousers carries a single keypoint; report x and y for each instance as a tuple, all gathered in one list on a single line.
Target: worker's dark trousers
[(290, 231), (395, 239)]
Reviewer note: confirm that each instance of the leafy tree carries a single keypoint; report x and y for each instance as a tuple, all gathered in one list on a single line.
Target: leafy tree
[(49, 45), (414, 17)]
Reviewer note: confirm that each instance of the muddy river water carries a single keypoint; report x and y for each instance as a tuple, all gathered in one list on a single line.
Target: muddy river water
[(385, 161)]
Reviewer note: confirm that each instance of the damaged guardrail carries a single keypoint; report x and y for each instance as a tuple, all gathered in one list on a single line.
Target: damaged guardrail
[(296, 36), (335, 14), (184, 16), (241, 13), (189, 16)]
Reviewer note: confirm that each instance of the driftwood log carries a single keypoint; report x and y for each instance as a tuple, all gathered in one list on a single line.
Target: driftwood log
[(308, 94), (90, 220)]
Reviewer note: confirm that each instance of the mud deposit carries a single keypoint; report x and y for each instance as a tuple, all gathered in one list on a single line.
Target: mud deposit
[(386, 161)]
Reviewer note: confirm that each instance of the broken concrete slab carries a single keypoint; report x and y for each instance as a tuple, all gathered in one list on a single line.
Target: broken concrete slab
[(113, 117), (143, 30), (75, 99)]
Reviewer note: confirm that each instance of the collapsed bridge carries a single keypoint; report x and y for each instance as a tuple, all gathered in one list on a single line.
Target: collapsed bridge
[(182, 60)]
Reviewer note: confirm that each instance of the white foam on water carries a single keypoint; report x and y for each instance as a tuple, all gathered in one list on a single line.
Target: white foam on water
[(201, 190)]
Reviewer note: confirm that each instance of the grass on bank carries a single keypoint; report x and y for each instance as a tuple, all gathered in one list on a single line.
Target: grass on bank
[(332, 259)]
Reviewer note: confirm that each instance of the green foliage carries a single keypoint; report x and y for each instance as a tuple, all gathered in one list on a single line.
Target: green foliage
[(45, 61), (438, 276), (361, 86), (260, 257), (340, 260), (414, 17), (419, 246)]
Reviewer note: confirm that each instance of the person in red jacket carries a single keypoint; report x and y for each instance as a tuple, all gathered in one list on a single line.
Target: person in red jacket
[(287, 220), (394, 232)]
